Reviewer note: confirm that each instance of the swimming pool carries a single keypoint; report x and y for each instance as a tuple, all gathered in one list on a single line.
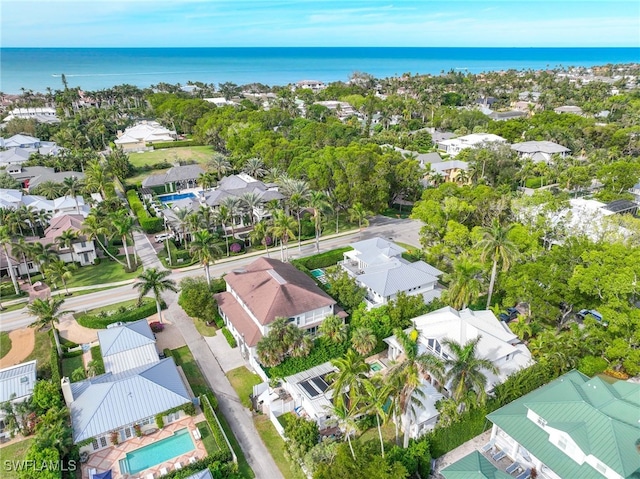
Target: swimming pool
[(175, 197), (376, 366), (317, 273), (157, 453)]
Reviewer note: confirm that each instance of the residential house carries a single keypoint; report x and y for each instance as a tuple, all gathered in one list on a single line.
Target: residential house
[(507, 115), (18, 148), (449, 169), (265, 290), (576, 110), (438, 136), (315, 85), (82, 250), (342, 109), (39, 114), (136, 138), (473, 466), (220, 101), (175, 179), (574, 427), (497, 343), (424, 159), (635, 191), (31, 176), (539, 151), (136, 387), (16, 386), (378, 266), (454, 146)]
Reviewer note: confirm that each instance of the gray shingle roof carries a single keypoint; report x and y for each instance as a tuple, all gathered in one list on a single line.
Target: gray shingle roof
[(123, 338), (395, 276), (544, 146), (109, 401), (17, 380)]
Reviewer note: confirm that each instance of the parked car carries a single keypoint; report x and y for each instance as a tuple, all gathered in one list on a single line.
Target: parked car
[(583, 313), (115, 325), (163, 236), (510, 315)]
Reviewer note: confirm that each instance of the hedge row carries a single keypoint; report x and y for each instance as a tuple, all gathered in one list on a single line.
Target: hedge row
[(218, 434), (174, 144), (149, 224), (229, 337), (322, 260), (323, 350), (215, 462), (96, 322), (96, 357), (56, 372)]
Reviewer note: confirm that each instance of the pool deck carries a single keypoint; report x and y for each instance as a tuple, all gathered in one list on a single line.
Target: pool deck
[(108, 458)]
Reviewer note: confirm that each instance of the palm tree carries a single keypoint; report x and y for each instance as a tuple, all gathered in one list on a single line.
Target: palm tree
[(377, 394), (406, 376), (359, 213), (6, 239), (283, 225), (251, 201), (182, 216), (464, 283), (232, 204), (207, 217), (71, 186), (260, 234), (346, 415), (464, 370), (155, 281), (123, 225), (94, 228), (224, 217), (59, 270), (50, 189), (23, 249), (97, 177), (320, 205), (296, 204), (254, 167), (521, 328), (219, 164), (346, 383), (497, 246), (204, 249), (207, 180), (48, 313), (363, 340), (334, 329), (42, 255), (66, 239)]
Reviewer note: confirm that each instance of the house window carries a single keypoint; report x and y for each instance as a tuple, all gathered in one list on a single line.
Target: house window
[(103, 441), (85, 257), (94, 443), (30, 265)]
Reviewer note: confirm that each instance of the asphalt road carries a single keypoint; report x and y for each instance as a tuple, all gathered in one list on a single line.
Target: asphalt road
[(404, 231)]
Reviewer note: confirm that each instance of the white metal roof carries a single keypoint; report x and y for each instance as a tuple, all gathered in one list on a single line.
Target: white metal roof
[(17, 381), (126, 337)]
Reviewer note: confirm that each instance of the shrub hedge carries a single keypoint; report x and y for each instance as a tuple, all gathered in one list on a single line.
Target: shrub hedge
[(56, 373), (229, 337), (218, 434), (96, 322), (96, 357), (149, 224), (323, 350), (174, 144), (322, 260)]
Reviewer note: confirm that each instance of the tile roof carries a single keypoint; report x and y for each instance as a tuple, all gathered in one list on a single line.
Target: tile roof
[(109, 401), (601, 418), (17, 380), (60, 224), (473, 466), (176, 173), (271, 289), (542, 146), (241, 321)]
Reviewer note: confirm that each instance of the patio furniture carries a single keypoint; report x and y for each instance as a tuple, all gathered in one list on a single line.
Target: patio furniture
[(499, 455), (488, 446), (192, 459), (513, 468), (177, 466), (149, 476), (525, 475), (196, 434), (92, 472), (163, 471)]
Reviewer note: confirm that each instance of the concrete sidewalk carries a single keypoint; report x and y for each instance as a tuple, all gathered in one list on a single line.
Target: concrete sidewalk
[(239, 418)]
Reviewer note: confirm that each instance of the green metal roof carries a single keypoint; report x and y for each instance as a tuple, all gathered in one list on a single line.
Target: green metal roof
[(602, 419), (473, 466)]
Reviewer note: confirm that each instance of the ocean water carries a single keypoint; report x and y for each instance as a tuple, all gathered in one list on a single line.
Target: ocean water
[(98, 68)]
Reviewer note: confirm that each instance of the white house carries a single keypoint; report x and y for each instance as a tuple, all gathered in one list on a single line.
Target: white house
[(573, 427), (377, 265), (454, 146), (135, 138), (315, 85), (40, 114), (497, 344), (265, 290), (635, 191), (16, 385), (131, 393), (539, 151), (82, 250)]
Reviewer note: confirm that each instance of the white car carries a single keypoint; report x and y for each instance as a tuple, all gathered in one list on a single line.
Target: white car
[(163, 236)]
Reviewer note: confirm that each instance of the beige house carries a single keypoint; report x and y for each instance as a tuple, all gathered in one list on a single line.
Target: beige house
[(137, 137)]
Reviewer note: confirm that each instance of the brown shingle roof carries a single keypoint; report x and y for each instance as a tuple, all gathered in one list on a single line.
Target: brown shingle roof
[(272, 289), (62, 223), (239, 318)]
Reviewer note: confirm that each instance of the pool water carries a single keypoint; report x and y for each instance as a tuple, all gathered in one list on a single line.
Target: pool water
[(317, 273), (175, 197), (376, 366), (157, 453)]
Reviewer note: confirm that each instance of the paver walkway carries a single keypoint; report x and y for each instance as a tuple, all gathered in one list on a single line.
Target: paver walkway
[(238, 417), (145, 251)]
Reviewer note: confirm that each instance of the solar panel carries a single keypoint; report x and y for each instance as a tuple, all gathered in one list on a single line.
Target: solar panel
[(320, 383), (309, 389)]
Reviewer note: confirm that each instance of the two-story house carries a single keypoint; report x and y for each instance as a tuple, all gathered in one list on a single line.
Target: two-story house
[(82, 250), (497, 344), (454, 146), (268, 289), (539, 151), (16, 386), (378, 266), (574, 427)]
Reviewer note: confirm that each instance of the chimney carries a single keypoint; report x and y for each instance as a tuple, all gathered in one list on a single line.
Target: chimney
[(66, 390)]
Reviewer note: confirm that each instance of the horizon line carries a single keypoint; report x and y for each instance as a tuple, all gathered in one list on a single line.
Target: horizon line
[(307, 46)]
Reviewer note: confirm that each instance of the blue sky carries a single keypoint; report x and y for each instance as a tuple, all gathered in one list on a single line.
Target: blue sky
[(211, 23)]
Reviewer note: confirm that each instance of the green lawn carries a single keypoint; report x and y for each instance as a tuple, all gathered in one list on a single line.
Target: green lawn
[(69, 365), (388, 435), (117, 306), (275, 445), (42, 352), (243, 381), (286, 418), (105, 272), (15, 452), (96, 356), (209, 441), (198, 153), (184, 358), (205, 329), (5, 344)]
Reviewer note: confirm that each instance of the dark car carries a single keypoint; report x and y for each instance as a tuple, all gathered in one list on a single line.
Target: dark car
[(510, 315)]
